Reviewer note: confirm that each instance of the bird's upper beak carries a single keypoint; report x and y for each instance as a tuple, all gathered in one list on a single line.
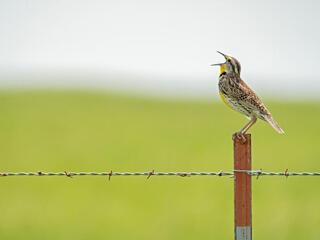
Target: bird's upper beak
[(219, 64), (225, 56)]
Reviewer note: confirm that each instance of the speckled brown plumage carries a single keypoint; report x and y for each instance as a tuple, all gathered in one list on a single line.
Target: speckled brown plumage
[(239, 95)]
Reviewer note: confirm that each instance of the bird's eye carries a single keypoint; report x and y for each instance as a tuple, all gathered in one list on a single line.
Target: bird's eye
[(229, 60)]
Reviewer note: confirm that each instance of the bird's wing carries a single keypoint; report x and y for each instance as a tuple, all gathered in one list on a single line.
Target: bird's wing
[(249, 99)]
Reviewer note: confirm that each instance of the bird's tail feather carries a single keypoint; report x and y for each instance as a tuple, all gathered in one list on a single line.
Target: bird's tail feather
[(273, 124)]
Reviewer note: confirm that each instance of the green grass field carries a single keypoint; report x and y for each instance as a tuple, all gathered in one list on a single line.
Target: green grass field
[(92, 131)]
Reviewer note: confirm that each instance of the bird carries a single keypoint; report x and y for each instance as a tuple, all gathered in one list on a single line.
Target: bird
[(236, 94)]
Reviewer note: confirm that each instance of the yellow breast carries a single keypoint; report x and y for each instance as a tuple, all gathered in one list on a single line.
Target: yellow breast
[(223, 98)]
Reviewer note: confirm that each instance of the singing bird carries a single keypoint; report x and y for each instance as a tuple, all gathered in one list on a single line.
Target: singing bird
[(236, 94)]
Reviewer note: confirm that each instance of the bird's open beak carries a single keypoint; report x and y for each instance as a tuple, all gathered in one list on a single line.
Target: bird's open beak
[(219, 64)]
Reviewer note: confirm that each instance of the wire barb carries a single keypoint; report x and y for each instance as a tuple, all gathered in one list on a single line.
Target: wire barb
[(184, 175), (286, 173), (68, 174), (259, 172), (150, 174), (110, 174)]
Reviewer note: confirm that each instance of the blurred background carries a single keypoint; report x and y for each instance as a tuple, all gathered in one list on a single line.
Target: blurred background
[(127, 86)]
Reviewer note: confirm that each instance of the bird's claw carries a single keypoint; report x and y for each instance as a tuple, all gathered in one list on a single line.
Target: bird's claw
[(239, 136)]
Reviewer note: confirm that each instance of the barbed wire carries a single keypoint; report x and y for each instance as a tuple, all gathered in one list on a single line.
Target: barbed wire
[(253, 173)]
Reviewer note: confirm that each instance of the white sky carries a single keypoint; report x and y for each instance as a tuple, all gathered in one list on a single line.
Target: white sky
[(149, 44)]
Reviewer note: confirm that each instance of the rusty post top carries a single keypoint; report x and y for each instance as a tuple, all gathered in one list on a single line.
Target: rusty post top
[(246, 138)]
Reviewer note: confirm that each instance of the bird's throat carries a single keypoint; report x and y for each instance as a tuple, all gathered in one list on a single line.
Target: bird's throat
[(222, 68)]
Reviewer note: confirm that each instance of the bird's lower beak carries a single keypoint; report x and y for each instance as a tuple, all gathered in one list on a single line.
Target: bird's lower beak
[(217, 64)]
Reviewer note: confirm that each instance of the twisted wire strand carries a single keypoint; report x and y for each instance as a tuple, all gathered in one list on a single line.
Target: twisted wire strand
[(110, 174)]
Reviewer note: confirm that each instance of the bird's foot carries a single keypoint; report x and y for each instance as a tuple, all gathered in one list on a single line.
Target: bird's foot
[(239, 136)]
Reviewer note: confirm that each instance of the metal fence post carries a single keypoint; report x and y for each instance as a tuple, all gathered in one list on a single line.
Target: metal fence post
[(242, 189)]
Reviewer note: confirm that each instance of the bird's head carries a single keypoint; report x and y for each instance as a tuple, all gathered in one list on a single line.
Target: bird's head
[(231, 65)]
